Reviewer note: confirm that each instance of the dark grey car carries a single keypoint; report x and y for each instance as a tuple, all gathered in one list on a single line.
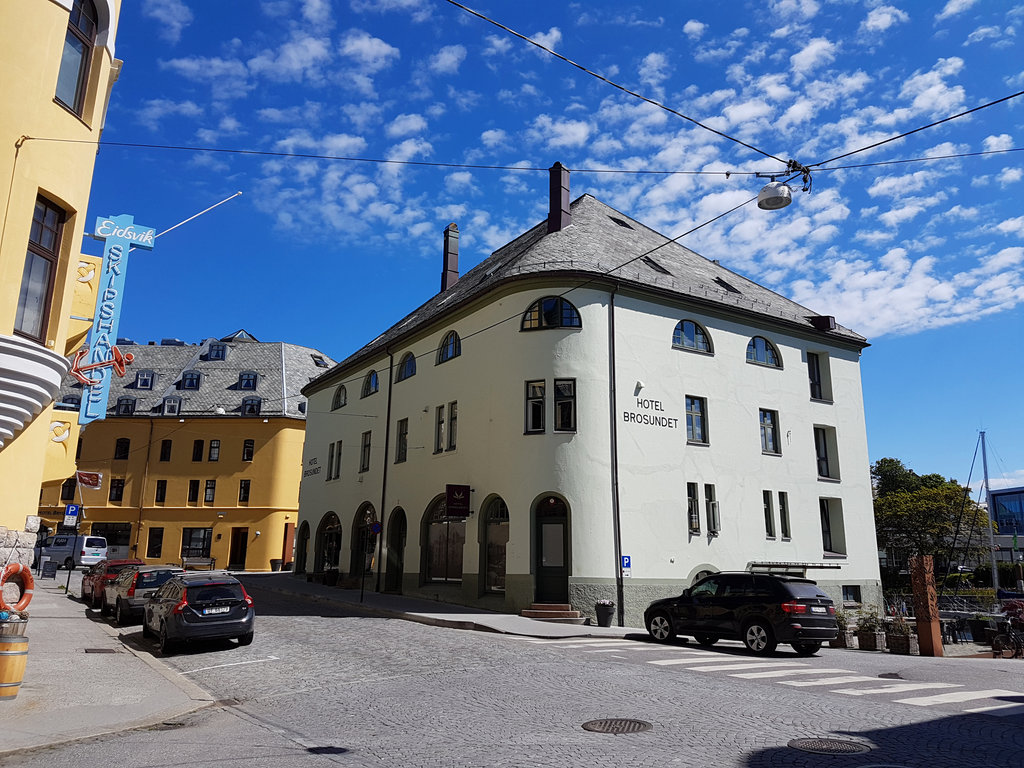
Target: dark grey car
[(199, 606), (761, 609)]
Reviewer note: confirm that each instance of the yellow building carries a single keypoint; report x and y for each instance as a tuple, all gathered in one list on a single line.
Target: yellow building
[(200, 453), (57, 67)]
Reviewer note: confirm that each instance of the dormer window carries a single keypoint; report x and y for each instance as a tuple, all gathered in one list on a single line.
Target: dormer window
[(251, 406), (319, 362), (144, 380), (370, 384), (172, 406), (125, 406), (217, 351), (190, 380), (247, 380)]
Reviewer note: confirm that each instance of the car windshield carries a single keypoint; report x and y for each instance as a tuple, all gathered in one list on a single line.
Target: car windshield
[(805, 590), (153, 578), (210, 592), (95, 542)]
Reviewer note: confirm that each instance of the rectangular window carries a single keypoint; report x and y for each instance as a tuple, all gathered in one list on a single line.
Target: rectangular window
[(769, 514), (211, 491), (814, 375), (825, 450), (402, 441), (692, 508), (330, 461), (117, 489), (248, 449), (711, 507), (214, 454), (453, 422), (337, 460), (161, 492), (565, 405), (195, 542), (243, 489), (144, 380), (851, 593), (364, 452), (534, 407), (122, 447), (784, 514), (833, 531), (155, 542), (696, 419), (165, 450), (770, 432), (334, 460), (73, 74), (67, 490), (34, 296), (439, 429), (197, 450), (193, 491)]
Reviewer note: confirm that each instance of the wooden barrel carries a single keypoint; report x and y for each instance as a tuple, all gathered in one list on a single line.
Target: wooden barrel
[(13, 656)]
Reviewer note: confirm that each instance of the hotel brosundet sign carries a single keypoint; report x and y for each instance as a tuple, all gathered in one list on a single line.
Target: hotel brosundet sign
[(95, 364)]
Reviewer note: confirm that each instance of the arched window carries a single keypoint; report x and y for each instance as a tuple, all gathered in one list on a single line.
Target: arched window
[(251, 406), (445, 539), (763, 352), (247, 380), (496, 541), (327, 544), (340, 398), (370, 384), (691, 335), (451, 346), (364, 542), (73, 75), (550, 312), (406, 368)]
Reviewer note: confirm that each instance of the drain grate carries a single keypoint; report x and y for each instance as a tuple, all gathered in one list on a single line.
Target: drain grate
[(891, 676), (101, 650), (617, 725), (828, 746)]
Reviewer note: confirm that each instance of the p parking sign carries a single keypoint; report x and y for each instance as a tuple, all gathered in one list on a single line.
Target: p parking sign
[(71, 514)]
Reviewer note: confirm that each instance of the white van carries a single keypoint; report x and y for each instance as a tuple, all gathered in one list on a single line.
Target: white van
[(67, 549)]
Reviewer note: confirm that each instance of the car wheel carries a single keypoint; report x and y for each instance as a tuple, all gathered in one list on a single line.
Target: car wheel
[(146, 631), (69, 563), (758, 638), (706, 639), (120, 614), (245, 639), (660, 627), (806, 649), (104, 607), (166, 644)]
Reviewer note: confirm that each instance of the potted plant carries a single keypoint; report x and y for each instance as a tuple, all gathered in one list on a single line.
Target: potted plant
[(605, 609), (869, 634), (899, 638), (845, 638), (979, 625)]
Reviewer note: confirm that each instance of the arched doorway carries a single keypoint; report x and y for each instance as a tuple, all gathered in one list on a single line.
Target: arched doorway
[(551, 550), (328, 543), (301, 547), (364, 542), (496, 531), (396, 551), (445, 539)]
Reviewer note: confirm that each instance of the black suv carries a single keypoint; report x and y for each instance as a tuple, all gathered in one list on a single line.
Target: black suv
[(761, 609), (199, 606)]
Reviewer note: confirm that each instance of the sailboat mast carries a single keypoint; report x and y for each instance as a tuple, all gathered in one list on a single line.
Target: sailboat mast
[(991, 512)]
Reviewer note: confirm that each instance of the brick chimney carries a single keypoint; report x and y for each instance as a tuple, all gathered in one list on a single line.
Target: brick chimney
[(450, 272), (558, 213)]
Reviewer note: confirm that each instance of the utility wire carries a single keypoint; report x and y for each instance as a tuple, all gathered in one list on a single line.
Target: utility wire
[(604, 79)]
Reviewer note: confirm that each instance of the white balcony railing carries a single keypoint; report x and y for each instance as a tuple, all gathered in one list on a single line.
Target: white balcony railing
[(30, 376)]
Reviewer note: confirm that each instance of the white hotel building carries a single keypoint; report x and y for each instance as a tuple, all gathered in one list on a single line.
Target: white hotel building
[(603, 398)]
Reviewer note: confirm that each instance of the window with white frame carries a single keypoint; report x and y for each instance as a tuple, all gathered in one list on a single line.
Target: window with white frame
[(214, 452), (248, 449), (770, 431), (172, 406), (691, 335), (144, 380), (211, 491), (244, 486), (535, 407)]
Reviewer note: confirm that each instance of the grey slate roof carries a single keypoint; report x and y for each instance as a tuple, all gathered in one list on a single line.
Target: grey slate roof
[(282, 370), (599, 239)]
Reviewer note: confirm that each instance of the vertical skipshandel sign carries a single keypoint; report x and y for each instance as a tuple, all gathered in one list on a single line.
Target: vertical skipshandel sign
[(95, 364)]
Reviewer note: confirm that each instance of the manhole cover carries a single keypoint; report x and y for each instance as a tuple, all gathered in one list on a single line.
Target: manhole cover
[(828, 746), (617, 725)]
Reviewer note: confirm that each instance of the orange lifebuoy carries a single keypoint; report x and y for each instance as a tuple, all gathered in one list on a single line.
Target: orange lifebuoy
[(28, 584)]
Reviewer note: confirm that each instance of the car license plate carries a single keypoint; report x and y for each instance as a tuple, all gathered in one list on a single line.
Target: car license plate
[(219, 609), (818, 609)]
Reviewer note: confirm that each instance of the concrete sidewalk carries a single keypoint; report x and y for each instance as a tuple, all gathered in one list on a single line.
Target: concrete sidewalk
[(81, 680), (429, 611)]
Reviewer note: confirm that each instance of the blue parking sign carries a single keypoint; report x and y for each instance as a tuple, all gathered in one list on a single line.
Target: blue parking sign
[(626, 561), (71, 512)]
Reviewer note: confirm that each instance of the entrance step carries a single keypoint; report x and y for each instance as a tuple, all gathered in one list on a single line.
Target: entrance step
[(555, 613)]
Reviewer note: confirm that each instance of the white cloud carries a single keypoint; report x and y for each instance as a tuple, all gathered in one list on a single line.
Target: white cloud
[(549, 39), (228, 78), (342, 144), (317, 12), (447, 60), (419, 9), (410, 149), (994, 143), (983, 33), (301, 57), (370, 53), (1010, 176), (227, 126), (554, 134), (173, 16), (882, 18), (494, 137), (954, 7), (459, 182), (802, 9), (654, 69), (406, 125), (154, 111), (817, 53), (1004, 259), (497, 46), (693, 29), (1011, 226)]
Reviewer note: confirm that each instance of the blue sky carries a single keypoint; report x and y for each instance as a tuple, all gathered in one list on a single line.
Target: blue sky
[(925, 258)]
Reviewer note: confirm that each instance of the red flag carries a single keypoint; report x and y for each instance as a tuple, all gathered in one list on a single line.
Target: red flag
[(92, 480)]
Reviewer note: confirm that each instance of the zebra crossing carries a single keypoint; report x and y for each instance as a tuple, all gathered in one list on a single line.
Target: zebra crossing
[(798, 674)]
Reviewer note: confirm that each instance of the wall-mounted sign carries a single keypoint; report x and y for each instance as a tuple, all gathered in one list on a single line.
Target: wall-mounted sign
[(650, 412), (95, 364), (456, 498)]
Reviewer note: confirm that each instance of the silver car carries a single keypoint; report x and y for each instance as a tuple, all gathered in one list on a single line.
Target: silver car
[(126, 595)]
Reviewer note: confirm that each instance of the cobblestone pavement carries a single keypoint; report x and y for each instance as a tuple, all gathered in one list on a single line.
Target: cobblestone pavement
[(322, 687)]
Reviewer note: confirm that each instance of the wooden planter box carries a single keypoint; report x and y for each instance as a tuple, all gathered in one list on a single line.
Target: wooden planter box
[(870, 640), (904, 644)]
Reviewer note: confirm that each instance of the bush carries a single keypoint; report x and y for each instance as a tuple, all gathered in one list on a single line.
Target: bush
[(869, 621), (898, 626)]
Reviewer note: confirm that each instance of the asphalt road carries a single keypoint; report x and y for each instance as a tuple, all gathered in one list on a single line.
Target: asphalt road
[(322, 687)]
